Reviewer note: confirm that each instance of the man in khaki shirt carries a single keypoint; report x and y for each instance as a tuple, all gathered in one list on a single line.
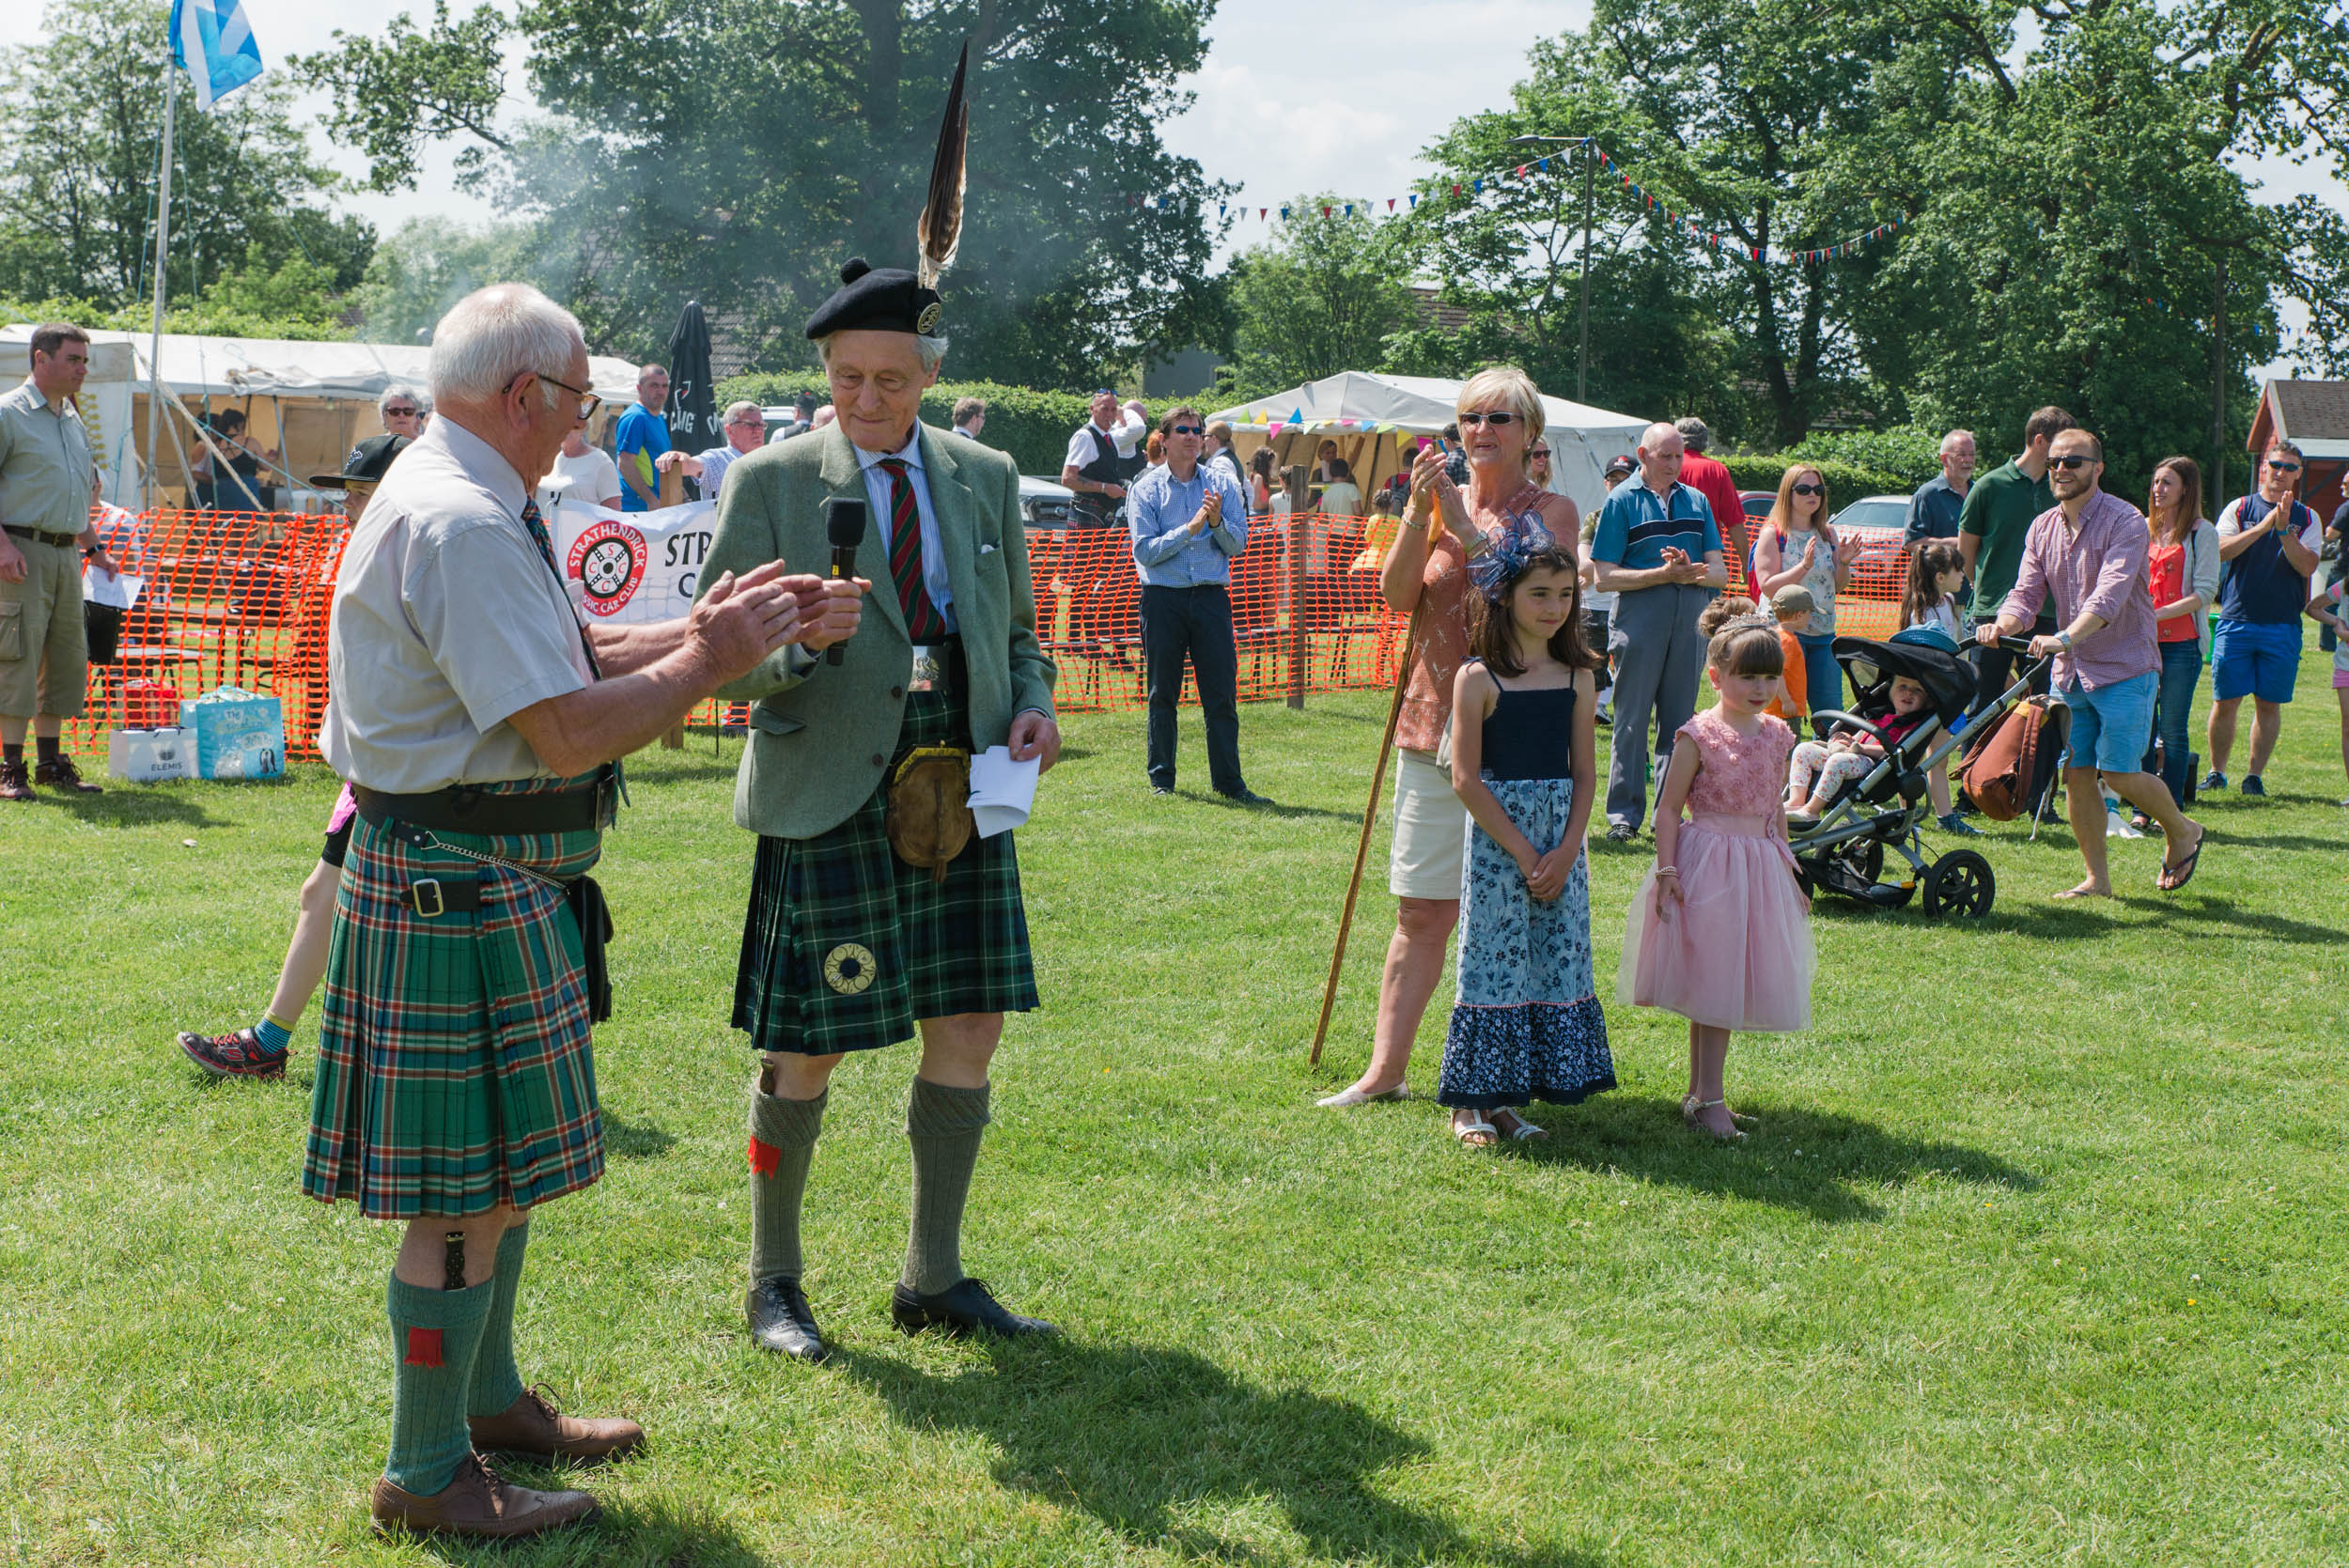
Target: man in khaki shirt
[(47, 481)]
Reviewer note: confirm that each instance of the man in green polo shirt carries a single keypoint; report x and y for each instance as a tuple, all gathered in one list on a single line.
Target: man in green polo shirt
[(47, 480), (1998, 511)]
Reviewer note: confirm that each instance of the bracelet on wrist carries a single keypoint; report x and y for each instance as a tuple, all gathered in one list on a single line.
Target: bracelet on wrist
[(1668, 871)]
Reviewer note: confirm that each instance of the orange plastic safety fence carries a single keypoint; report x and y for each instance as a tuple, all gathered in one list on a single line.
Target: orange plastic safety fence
[(242, 599), (228, 599)]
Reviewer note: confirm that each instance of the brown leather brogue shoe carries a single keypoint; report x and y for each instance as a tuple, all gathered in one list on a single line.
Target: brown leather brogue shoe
[(534, 1426), (478, 1503), (16, 782), (60, 773)]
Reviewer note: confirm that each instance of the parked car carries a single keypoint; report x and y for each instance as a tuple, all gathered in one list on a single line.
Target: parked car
[(1757, 504), (1046, 502)]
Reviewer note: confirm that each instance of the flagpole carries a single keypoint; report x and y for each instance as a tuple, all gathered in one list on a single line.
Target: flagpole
[(162, 261)]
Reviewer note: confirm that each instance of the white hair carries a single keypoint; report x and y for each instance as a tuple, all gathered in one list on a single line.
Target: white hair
[(1955, 435), (401, 389), (932, 350), (735, 411), (496, 334)]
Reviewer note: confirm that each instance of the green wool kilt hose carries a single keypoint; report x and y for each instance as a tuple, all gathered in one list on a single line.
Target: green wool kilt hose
[(454, 1067), (846, 945)]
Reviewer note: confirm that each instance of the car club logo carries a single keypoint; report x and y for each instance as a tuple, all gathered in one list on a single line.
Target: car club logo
[(608, 560)]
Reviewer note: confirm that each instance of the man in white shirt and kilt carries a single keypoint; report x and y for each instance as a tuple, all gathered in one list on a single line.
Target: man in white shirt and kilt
[(875, 913), (477, 720)]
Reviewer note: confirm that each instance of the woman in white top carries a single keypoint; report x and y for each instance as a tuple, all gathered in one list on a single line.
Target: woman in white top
[(1798, 545)]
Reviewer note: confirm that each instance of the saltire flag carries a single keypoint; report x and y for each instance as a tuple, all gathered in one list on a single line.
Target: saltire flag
[(213, 41)]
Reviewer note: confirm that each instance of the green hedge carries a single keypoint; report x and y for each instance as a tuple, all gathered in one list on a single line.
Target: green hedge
[(1034, 427), (1910, 451), (1846, 482)]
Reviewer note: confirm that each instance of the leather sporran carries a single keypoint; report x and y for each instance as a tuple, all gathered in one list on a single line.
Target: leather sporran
[(929, 821)]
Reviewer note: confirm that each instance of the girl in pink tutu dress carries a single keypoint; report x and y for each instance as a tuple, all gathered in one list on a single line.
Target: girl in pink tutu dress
[(1719, 930)]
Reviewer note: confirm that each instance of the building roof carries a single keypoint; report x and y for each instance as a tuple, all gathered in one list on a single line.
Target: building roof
[(2313, 415)]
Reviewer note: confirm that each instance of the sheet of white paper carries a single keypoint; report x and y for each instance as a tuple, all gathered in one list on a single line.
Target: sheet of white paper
[(1002, 792), (105, 588)]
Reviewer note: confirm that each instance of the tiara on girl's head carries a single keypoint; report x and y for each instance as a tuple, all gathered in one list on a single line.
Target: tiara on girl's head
[(1504, 558), (1756, 622)]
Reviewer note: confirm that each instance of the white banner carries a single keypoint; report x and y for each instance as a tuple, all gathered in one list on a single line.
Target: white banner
[(628, 569)]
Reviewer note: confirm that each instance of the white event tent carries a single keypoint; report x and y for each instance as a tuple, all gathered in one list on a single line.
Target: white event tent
[(314, 401), (1367, 415)]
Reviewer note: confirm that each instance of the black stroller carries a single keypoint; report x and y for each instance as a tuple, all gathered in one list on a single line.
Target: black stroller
[(1844, 851)]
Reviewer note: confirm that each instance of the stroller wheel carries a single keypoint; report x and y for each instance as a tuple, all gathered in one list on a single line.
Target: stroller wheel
[(1960, 883)]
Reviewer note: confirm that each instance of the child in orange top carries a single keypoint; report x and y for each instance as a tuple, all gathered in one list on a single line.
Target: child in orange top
[(1792, 606)]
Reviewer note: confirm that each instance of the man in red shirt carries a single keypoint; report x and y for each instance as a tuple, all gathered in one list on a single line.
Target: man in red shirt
[(1711, 479)]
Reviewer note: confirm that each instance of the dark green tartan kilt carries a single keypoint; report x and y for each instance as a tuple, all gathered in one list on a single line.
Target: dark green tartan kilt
[(454, 1067), (846, 945)]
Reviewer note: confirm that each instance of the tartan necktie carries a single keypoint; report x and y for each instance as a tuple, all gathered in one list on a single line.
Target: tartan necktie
[(535, 526), (924, 624)]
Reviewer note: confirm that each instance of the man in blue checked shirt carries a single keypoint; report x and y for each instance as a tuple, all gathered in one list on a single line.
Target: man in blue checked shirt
[(1188, 522)]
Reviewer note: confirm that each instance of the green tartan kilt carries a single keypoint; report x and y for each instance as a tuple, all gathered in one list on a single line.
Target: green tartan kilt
[(453, 1067), (846, 945)]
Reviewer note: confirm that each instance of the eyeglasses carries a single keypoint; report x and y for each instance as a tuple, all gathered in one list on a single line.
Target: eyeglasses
[(399, 413), (1497, 418), (1186, 429), (1807, 490), (1538, 451), (2071, 460), (589, 401), (2274, 467), (748, 424)]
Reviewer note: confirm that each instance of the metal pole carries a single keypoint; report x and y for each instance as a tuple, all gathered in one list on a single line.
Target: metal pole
[(2218, 390), (1589, 198), (163, 258)]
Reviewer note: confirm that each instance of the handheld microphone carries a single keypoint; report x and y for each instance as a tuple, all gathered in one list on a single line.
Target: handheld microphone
[(844, 530)]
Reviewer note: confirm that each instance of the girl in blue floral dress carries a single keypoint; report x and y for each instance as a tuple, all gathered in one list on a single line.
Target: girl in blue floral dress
[(1526, 1025)]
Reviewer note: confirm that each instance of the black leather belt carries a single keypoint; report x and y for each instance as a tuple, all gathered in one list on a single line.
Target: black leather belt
[(63, 541), (460, 808)]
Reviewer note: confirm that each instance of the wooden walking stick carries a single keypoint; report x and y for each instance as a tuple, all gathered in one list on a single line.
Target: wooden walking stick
[(1361, 847)]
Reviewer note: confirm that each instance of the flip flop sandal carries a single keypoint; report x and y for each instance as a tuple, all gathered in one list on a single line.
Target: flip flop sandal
[(2183, 870)]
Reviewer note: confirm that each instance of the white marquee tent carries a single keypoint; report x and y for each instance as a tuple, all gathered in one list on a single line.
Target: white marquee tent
[(1368, 414), (312, 400)]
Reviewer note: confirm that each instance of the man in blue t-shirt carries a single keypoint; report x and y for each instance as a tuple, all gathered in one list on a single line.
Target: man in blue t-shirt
[(640, 438), (1659, 549), (2270, 544)]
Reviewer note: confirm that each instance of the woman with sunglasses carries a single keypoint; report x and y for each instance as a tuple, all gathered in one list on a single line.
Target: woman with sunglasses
[(1426, 576), (1798, 545)]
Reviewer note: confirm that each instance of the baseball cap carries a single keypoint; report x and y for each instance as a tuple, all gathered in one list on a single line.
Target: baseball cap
[(1618, 468), (369, 461), (1793, 599)]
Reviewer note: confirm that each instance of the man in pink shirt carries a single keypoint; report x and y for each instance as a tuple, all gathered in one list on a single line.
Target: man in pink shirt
[(2088, 553), (1711, 479)]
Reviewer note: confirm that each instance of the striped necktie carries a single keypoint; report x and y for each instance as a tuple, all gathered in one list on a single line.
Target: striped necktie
[(924, 624), (535, 526)]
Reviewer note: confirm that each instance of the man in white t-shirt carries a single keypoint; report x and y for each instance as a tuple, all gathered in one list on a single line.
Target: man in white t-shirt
[(1101, 458), (580, 473)]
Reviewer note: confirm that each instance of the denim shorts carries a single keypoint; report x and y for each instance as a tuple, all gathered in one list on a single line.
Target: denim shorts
[(2254, 658), (2112, 726)]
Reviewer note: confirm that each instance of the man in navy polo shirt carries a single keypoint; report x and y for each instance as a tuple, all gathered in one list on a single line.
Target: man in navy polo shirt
[(2270, 544), (1658, 550)]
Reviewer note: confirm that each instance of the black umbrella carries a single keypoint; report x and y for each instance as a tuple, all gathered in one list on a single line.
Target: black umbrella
[(693, 416)]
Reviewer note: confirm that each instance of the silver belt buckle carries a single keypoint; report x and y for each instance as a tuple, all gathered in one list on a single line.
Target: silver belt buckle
[(930, 668)]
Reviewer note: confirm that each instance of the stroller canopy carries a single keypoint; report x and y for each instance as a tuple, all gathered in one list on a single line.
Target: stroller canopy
[(1947, 678)]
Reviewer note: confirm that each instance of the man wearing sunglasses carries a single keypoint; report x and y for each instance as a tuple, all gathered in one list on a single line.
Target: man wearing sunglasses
[(2269, 543), (1189, 521)]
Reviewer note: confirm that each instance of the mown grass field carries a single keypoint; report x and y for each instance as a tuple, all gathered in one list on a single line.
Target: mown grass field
[(2036, 1257)]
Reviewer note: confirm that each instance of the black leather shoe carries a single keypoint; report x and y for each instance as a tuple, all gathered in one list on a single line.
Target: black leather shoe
[(781, 1319), (965, 1310), (1245, 797)]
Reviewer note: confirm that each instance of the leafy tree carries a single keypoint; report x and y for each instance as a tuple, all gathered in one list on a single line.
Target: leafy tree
[(81, 118), (429, 265), (1318, 297), (737, 152)]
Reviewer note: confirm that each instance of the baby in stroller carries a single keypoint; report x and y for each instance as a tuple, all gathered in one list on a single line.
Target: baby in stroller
[(1821, 770)]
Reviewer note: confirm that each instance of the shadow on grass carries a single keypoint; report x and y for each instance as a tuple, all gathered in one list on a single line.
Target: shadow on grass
[(1277, 809), (2081, 920), (1645, 1139), (1145, 1437), (651, 1532), (124, 806), (626, 1140)]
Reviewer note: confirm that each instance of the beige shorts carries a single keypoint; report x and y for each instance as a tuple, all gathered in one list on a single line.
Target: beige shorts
[(44, 653), (1430, 830)]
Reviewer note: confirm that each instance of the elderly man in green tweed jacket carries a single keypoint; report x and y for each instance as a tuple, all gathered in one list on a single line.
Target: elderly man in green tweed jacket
[(847, 946)]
